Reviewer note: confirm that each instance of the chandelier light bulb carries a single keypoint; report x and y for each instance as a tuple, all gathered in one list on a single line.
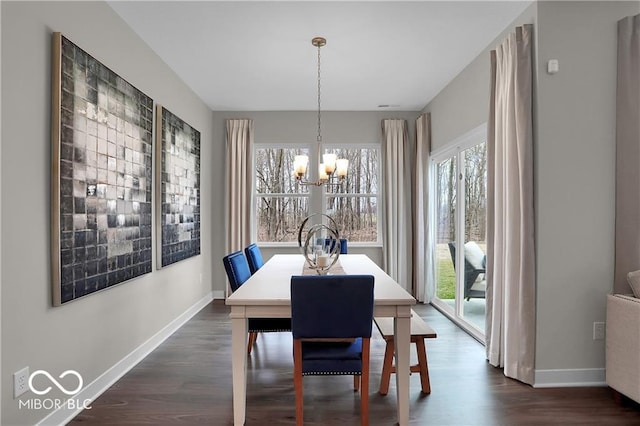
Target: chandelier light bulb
[(329, 161), (342, 166), (322, 173), (300, 164)]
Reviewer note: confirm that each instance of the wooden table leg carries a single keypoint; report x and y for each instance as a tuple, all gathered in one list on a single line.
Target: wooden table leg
[(402, 333), (239, 366)]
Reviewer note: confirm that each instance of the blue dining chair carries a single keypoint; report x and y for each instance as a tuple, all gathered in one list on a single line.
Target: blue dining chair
[(237, 268), (254, 256), (329, 243), (331, 320)]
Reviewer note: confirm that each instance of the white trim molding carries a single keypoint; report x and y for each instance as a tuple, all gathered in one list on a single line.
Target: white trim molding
[(578, 377), (93, 390)]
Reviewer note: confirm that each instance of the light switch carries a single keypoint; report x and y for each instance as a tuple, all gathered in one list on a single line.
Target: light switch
[(553, 66)]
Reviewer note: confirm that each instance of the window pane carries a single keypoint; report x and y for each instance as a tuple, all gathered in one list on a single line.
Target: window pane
[(274, 171), (357, 217), (278, 218), (446, 205), (475, 231), (362, 177), (475, 161)]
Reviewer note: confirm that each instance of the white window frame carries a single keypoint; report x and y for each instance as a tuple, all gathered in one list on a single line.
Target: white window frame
[(317, 196), (325, 194), (256, 196)]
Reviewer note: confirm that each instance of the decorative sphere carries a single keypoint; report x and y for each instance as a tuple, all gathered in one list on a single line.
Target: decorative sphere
[(321, 247)]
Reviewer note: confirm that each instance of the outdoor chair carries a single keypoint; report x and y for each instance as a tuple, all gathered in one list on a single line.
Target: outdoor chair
[(474, 265)]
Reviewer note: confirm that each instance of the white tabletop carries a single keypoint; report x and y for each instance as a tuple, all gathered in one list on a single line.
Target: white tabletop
[(271, 284)]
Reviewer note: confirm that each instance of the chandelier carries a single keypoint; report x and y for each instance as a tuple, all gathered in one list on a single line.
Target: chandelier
[(332, 170)]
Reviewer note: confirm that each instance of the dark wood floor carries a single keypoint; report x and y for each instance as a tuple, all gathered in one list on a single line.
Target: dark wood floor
[(187, 380)]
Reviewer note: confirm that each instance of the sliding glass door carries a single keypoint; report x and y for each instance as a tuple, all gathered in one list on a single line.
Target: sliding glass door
[(459, 207)]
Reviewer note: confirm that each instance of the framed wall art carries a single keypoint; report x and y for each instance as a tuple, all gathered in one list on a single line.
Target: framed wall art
[(177, 189), (102, 149)]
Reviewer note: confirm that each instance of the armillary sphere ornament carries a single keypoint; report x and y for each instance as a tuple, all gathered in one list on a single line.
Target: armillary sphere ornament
[(319, 243)]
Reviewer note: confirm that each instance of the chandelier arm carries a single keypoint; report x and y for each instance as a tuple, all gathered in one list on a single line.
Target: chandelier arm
[(319, 182)]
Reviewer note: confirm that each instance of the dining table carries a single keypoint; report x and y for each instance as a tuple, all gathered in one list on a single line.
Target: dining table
[(267, 294)]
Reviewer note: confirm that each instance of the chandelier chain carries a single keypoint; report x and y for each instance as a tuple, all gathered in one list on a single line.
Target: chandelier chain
[(319, 115)]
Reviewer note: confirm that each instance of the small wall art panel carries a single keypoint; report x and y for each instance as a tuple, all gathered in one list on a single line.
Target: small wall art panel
[(102, 169), (178, 188)]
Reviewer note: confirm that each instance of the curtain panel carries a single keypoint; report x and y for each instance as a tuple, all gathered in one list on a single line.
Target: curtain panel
[(396, 202), (239, 189), (627, 152), (510, 329), (423, 265)]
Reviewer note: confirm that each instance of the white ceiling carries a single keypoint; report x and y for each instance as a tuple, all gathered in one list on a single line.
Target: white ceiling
[(257, 56)]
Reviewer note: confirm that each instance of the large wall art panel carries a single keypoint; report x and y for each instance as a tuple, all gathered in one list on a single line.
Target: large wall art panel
[(178, 189), (101, 175)]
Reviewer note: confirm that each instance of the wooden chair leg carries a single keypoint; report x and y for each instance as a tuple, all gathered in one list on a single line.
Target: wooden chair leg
[(387, 365), (422, 363), (297, 381), (253, 336), (364, 391), (356, 382)]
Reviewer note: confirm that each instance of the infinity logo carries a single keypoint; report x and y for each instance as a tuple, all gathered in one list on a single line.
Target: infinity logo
[(55, 382)]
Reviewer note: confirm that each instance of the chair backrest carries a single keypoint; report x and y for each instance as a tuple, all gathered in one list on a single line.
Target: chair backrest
[(254, 256), (474, 258), (452, 251), (237, 268), (329, 243), (325, 306), (471, 270)]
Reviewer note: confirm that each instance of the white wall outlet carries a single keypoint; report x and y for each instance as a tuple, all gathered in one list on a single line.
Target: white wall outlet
[(598, 330), (20, 382)]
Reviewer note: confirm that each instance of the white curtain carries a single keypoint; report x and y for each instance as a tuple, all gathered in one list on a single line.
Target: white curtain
[(627, 152), (396, 201), (239, 162), (423, 265), (510, 330)]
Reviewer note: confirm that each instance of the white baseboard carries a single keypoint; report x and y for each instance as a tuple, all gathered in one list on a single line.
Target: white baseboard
[(218, 294), (569, 378), (93, 390)]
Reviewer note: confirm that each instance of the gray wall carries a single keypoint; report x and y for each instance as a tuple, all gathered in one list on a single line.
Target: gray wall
[(574, 148), (343, 127), (464, 104), (93, 333), (575, 178)]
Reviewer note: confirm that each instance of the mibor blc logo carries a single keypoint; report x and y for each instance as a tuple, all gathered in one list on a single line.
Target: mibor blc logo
[(54, 403)]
